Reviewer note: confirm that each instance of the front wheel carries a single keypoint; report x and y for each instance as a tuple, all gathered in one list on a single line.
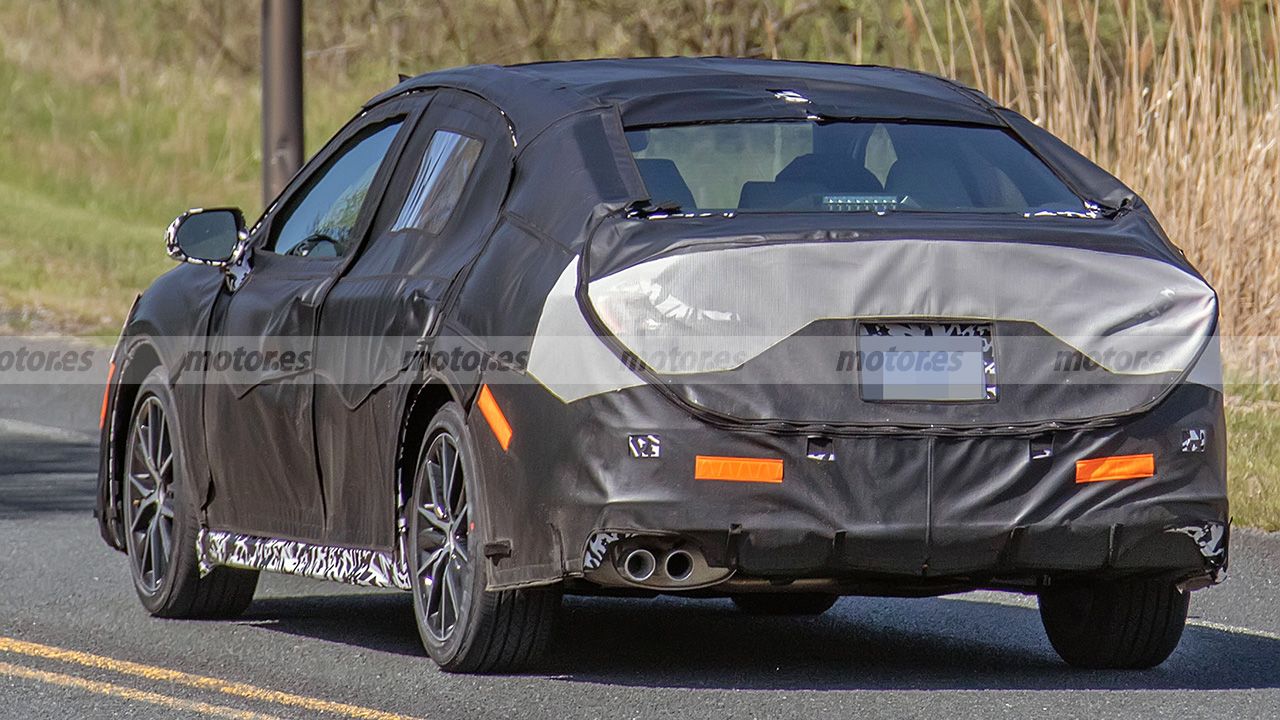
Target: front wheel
[(1131, 624), (161, 521), (464, 627)]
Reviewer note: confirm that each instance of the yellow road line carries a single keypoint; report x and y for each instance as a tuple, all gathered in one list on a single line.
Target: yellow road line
[(228, 687), (128, 693)]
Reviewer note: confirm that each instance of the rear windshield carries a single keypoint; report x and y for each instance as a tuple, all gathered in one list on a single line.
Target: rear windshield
[(803, 166)]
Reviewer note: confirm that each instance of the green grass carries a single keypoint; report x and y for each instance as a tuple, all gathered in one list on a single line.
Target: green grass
[(89, 177), (1253, 454), (97, 261), (94, 165), (115, 120)]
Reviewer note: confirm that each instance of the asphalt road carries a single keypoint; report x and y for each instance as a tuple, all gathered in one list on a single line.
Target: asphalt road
[(74, 643)]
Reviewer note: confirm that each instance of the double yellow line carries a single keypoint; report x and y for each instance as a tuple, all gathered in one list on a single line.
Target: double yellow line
[(159, 674)]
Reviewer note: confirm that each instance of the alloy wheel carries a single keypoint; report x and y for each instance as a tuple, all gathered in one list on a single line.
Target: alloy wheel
[(149, 501), (442, 526)]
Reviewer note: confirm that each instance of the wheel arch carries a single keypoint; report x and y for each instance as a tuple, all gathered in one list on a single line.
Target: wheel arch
[(139, 357), (158, 324), (422, 402)]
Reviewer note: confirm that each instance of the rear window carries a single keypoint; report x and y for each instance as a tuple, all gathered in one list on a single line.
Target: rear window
[(803, 166)]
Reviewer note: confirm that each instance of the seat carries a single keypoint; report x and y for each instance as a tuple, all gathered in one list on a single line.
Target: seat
[(831, 173), (935, 185), (665, 183)]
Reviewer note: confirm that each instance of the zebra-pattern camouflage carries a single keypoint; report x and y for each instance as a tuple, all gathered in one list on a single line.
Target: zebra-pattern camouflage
[(349, 565), (598, 547)]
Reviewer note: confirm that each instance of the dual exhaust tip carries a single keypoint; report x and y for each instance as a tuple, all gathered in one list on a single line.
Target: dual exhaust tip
[(660, 561), (640, 566)]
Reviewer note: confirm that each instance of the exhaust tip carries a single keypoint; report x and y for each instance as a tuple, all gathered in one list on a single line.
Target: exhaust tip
[(679, 565), (639, 565)]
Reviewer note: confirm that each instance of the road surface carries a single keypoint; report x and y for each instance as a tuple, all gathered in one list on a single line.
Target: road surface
[(74, 643)]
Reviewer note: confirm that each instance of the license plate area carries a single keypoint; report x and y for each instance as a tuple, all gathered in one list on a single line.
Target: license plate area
[(926, 362)]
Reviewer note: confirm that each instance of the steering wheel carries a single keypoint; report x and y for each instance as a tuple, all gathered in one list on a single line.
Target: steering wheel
[(317, 245)]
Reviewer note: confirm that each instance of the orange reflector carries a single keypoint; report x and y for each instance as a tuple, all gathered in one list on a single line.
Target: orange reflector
[(106, 395), (737, 469), (1116, 467), (493, 415)]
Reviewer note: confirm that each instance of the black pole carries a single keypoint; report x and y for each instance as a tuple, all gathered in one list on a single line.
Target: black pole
[(281, 94)]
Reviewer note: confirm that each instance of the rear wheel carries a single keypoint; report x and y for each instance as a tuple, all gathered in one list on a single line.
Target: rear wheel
[(785, 603), (464, 627), (1121, 624), (161, 521)]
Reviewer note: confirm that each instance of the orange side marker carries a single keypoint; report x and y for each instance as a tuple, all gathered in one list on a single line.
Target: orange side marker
[(106, 394), (1115, 467), (737, 469), (493, 415)]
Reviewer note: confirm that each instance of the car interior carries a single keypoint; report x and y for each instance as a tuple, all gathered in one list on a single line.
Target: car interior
[(910, 166)]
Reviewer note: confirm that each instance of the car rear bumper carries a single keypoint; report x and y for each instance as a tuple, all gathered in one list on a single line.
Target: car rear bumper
[(899, 561), (974, 510)]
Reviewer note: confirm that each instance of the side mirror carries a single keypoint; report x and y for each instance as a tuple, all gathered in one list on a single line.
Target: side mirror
[(213, 236)]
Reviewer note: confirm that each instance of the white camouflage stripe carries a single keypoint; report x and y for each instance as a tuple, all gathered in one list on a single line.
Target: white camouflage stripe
[(355, 566)]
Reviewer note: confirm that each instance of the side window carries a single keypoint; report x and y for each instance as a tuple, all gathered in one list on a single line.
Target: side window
[(439, 182), (320, 219)]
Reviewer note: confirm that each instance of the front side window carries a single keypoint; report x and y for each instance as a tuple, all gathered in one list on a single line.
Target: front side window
[(803, 166), (320, 220), (439, 182)]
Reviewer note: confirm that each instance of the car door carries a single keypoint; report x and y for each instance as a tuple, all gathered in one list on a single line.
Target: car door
[(259, 391), (438, 211)]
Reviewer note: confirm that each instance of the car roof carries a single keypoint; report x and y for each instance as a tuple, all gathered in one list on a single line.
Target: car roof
[(631, 78), (655, 91)]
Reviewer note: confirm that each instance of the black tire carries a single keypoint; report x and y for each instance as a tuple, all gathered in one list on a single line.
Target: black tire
[(1132, 624), (785, 603), (485, 631), (161, 522)]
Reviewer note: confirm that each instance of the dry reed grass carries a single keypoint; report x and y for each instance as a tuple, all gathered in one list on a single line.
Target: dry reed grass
[(119, 113), (143, 106), (1190, 120)]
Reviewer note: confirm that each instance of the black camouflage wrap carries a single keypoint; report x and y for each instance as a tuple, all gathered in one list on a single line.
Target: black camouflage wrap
[(911, 498)]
